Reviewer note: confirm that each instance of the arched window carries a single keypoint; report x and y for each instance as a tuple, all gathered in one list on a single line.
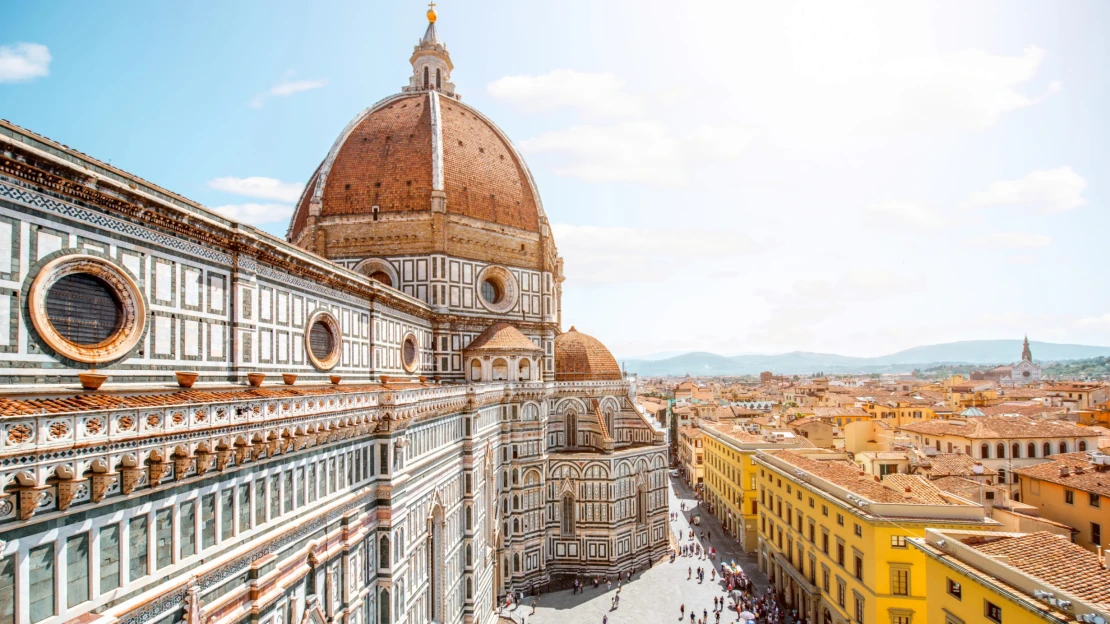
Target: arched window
[(516, 501), (439, 80), (469, 519), (383, 552), (1000, 450), (642, 506), (382, 277), (1015, 450), (985, 450), (1063, 446), (425, 76), (567, 520), (516, 562), (1030, 450), (500, 370), (1082, 445), (572, 429), (524, 370), (475, 370), (516, 526), (1046, 449), (383, 607)]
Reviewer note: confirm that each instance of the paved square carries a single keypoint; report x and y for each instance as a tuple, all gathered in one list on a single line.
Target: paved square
[(653, 595)]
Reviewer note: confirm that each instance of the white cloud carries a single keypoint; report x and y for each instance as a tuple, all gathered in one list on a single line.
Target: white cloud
[(905, 213), (966, 89), (24, 61), (599, 94), (1015, 239), (631, 151), (855, 286), (285, 89), (256, 214), (597, 254), (1094, 322), (1045, 190), (259, 187)]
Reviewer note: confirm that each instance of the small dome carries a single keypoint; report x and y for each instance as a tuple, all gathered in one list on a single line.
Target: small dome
[(580, 357), (502, 337)]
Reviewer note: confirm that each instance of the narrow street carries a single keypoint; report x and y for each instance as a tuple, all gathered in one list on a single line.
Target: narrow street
[(653, 595)]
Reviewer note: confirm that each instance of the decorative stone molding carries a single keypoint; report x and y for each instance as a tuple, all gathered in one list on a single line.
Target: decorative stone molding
[(132, 304)]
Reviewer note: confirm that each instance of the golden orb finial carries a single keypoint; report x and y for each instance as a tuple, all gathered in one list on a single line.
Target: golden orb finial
[(432, 12)]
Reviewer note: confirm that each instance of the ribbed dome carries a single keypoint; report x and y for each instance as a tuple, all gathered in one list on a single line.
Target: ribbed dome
[(406, 150), (581, 357)]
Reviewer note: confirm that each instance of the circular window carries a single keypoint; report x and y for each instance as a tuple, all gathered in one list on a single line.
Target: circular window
[(409, 353), (491, 292), (86, 308), (497, 289), (322, 340)]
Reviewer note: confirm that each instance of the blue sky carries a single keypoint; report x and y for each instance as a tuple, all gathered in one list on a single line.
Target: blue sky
[(733, 177)]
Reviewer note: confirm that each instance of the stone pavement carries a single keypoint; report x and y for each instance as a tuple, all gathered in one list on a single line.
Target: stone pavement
[(653, 595)]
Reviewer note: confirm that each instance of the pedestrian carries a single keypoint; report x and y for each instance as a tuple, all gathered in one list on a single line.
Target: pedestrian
[(605, 619), (608, 584), (533, 607), (681, 611), (689, 572)]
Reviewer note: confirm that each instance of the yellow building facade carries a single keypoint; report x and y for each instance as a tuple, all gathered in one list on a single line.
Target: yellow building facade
[(834, 541), (730, 477), (975, 577)]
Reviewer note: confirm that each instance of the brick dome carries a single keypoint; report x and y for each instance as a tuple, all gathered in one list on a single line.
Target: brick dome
[(411, 150), (581, 357)]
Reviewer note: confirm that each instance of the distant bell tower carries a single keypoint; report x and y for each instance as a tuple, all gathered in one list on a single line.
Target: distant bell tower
[(1026, 354), (431, 64)]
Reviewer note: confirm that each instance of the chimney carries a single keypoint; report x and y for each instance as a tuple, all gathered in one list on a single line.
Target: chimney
[(1063, 470)]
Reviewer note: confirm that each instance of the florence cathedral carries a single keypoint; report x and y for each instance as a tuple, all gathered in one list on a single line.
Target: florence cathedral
[(379, 419)]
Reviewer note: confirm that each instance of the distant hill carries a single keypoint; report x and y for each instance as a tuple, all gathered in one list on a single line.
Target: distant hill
[(979, 352)]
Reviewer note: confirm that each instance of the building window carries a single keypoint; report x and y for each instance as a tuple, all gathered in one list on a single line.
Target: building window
[(985, 450), (1046, 449), (323, 340), (840, 519), (41, 582), (163, 536), (7, 590), (259, 502), (859, 609), (1030, 450), (1082, 445), (187, 529), (897, 541), (859, 567), (137, 548), (840, 554), (227, 514), (1069, 497), (1096, 534), (409, 353), (77, 569), (109, 559), (1094, 500), (859, 530), (992, 611), (841, 593), (208, 521), (244, 509), (86, 309), (955, 590), (900, 582)]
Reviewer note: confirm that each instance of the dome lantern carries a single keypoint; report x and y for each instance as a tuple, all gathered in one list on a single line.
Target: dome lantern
[(431, 63)]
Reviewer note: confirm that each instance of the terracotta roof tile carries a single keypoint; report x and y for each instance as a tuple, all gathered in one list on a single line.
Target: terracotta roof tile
[(502, 336), (990, 427), (1052, 559), (1081, 475)]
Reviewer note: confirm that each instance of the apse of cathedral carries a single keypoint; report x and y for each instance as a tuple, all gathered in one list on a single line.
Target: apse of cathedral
[(377, 420)]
